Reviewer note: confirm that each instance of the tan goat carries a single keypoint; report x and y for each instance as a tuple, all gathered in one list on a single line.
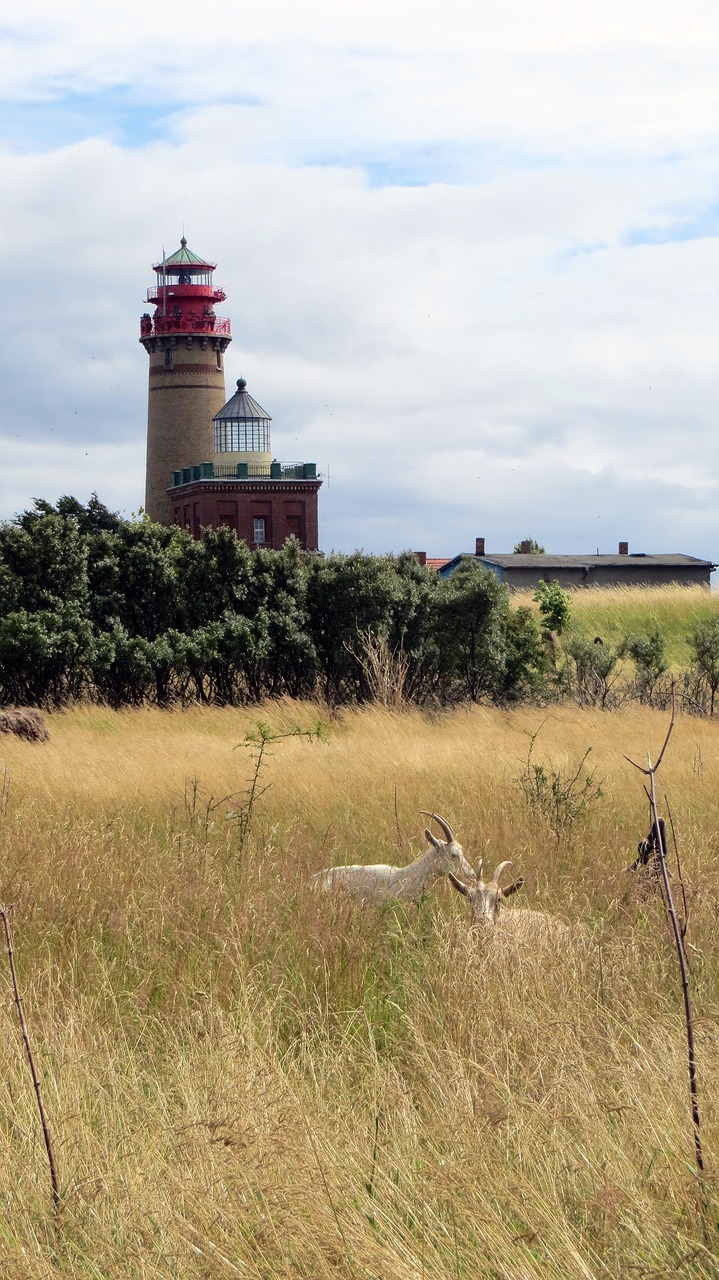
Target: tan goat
[(523, 927)]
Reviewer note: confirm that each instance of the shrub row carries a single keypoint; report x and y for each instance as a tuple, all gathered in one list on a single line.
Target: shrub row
[(93, 606), (96, 607)]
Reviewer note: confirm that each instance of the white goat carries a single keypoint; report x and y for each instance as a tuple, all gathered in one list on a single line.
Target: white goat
[(382, 883), (525, 927)]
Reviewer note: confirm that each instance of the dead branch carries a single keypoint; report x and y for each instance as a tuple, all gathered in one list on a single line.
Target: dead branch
[(650, 773)]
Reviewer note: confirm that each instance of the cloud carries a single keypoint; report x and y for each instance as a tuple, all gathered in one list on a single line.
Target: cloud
[(469, 257)]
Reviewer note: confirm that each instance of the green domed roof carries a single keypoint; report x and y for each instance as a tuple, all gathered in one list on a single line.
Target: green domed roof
[(184, 257)]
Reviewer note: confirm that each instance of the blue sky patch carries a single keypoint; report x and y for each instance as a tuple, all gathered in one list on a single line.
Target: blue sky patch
[(449, 163), (114, 113), (698, 226)]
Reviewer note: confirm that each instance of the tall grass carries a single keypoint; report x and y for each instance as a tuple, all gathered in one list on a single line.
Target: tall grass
[(615, 612), (245, 1079)]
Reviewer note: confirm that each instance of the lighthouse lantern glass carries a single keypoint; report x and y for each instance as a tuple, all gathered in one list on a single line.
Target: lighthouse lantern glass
[(242, 435)]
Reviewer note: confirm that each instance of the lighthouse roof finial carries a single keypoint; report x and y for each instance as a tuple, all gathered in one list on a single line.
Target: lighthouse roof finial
[(242, 408)]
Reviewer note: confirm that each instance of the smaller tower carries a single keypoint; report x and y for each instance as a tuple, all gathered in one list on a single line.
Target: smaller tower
[(244, 486), (186, 343), (242, 431)]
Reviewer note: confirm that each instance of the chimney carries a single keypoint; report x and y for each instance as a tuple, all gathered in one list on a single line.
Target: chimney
[(421, 557), (479, 546), (525, 547), (623, 548)]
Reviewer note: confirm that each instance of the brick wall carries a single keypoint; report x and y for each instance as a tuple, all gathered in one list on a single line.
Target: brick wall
[(287, 508)]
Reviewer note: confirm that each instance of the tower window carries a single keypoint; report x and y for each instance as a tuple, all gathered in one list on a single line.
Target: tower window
[(219, 358), (259, 529), (168, 357)]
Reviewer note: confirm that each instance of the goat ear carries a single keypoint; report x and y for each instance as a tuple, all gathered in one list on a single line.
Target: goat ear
[(462, 888), (512, 888), (430, 838)]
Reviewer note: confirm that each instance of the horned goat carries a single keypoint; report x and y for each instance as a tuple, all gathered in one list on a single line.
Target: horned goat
[(526, 927), (383, 883)]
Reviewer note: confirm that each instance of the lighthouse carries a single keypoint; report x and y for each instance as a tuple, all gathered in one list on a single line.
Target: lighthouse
[(210, 461), (186, 343)]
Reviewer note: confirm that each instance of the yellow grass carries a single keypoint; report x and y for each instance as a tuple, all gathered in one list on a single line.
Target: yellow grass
[(244, 1080), (615, 612)]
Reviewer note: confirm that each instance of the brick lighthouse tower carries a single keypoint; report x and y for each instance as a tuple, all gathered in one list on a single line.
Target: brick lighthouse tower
[(186, 342), (209, 463)]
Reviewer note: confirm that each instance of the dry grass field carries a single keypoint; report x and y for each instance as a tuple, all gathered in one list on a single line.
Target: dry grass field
[(615, 612), (244, 1079)]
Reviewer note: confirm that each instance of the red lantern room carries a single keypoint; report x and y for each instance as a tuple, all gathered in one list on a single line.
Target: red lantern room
[(184, 297)]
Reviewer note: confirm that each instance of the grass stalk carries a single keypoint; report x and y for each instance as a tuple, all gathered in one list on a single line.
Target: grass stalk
[(4, 915)]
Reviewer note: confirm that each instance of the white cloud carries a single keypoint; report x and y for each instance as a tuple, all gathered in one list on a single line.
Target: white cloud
[(528, 348)]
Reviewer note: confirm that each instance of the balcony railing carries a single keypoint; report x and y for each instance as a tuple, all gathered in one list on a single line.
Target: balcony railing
[(152, 326), (245, 471), (194, 288)]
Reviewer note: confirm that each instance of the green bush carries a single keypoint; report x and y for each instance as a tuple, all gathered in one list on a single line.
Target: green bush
[(553, 605), (704, 643)]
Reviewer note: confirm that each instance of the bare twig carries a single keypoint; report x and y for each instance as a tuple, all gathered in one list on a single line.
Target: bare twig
[(261, 741), (650, 773), (396, 819), (4, 914), (679, 869)]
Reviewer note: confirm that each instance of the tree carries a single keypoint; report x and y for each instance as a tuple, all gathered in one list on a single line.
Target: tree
[(348, 595), (529, 547), (409, 637), (595, 666), (92, 518), (649, 656), (44, 560), (278, 585), (470, 621), (554, 606), (147, 565), (525, 671), (45, 656), (704, 640), (212, 576)]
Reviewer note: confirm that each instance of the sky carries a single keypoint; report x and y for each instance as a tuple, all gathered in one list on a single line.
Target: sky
[(470, 252)]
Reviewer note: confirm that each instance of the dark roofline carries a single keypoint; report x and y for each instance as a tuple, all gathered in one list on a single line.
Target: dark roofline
[(636, 560)]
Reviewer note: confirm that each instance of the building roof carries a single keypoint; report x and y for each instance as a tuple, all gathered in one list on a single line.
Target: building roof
[(436, 562), (635, 559), (184, 257), (242, 407)]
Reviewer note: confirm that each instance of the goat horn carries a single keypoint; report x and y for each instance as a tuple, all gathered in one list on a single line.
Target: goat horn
[(502, 867), (478, 871), (441, 822)]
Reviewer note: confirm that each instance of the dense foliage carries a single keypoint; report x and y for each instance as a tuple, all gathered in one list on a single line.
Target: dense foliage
[(124, 612), (93, 606)]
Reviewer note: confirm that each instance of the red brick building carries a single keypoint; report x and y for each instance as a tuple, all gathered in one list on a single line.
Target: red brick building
[(263, 512), (210, 463)]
